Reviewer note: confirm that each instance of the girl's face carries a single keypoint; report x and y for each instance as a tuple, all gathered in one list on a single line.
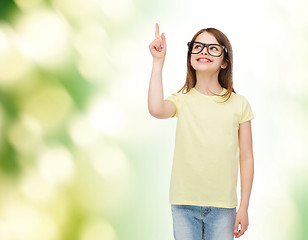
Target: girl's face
[(215, 63)]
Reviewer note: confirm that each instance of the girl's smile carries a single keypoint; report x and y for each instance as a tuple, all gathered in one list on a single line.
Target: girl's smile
[(204, 60)]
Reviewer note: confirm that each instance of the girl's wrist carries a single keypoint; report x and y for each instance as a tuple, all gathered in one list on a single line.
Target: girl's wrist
[(243, 206), (158, 61)]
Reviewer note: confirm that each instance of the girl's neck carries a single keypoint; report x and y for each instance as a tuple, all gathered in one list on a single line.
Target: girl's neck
[(206, 82)]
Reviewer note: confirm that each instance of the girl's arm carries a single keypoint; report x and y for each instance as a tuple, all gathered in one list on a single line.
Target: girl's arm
[(247, 172), (156, 104), (155, 93), (246, 162)]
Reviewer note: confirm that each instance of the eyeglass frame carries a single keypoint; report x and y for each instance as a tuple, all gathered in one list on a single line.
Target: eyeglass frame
[(207, 45)]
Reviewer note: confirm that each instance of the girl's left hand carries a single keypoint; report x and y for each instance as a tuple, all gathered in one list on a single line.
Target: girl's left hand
[(241, 218)]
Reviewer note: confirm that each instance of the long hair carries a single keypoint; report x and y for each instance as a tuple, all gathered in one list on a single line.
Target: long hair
[(225, 75)]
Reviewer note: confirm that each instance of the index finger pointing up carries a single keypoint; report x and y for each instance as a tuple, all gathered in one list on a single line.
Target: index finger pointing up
[(156, 30)]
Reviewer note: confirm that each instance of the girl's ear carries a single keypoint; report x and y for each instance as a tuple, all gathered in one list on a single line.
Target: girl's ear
[(225, 64)]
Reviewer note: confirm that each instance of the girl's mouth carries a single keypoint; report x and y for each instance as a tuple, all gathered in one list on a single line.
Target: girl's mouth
[(203, 60)]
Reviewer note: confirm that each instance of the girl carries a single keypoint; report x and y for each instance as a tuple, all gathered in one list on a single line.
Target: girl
[(213, 135)]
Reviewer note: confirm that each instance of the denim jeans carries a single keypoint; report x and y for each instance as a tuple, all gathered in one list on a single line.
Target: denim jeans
[(192, 222)]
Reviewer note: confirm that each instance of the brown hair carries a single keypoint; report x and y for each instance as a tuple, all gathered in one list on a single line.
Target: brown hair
[(224, 76)]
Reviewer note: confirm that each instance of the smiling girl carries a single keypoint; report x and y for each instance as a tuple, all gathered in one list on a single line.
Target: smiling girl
[(213, 136)]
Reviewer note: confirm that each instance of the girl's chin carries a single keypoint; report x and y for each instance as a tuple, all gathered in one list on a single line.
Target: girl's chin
[(205, 69)]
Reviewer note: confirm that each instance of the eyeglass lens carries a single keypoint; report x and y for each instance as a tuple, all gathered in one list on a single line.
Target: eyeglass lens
[(214, 50)]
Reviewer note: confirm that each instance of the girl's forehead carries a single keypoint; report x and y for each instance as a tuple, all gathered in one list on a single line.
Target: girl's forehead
[(206, 38)]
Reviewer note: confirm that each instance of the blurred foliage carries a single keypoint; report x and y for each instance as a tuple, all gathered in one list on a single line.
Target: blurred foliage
[(7, 7)]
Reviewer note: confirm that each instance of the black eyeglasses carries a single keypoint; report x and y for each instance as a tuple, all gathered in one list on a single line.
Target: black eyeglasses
[(213, 49)]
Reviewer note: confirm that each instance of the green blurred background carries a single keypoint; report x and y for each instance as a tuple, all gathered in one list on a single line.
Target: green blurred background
[(80, 155)]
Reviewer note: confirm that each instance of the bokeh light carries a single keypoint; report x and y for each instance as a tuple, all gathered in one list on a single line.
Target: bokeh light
[(11, 55), (45, 38), (25, 135)]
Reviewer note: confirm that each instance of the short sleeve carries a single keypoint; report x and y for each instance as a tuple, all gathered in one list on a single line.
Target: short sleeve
[(175, 98), (246, 111)]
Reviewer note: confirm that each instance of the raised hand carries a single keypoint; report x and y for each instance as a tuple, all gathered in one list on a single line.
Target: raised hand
[(158, 46)]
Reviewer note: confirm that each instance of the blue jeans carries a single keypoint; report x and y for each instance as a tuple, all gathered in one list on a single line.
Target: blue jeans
[(192, 222)]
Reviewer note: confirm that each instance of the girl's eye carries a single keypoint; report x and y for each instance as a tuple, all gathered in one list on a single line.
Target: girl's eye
[(214, 48), (197, 46)]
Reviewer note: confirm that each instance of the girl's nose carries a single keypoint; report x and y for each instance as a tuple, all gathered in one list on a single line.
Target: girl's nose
[(204, 50)]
